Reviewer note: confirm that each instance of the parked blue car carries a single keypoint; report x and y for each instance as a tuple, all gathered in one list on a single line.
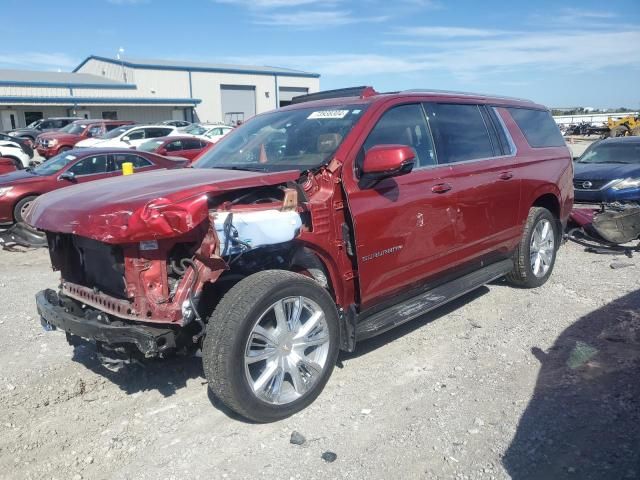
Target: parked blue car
[(609, 171)]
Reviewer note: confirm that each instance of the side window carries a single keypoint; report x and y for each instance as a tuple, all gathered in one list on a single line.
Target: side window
[(460, 131), (136, 135), (191, 144), (90, 166), (138, 162), (157, 132), (538, 127), (404, 125), (175, 146), (46, 124), (111, 126), (94, 131)]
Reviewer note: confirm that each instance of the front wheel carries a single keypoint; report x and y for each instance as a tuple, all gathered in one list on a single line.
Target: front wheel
[(21, 208), (536, 254), (271, 345)]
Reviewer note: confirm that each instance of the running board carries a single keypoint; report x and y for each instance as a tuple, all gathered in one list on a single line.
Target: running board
[(425, 302)]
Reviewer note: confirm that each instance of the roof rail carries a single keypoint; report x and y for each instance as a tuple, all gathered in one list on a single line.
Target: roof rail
[(362, 92)]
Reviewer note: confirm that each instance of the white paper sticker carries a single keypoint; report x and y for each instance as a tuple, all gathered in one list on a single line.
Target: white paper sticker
[(149, 245), (328, 114)]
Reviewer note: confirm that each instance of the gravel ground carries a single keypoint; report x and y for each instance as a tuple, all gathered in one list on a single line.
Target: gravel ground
[(502, 383)]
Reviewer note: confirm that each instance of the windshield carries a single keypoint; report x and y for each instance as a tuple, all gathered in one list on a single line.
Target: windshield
[(622, 152), (151, 145), (116, 132), (74, 129), (195, 130), (284, 140), (54, 164)]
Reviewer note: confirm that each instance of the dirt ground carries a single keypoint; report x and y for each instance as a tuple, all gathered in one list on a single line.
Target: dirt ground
[(503, 383)]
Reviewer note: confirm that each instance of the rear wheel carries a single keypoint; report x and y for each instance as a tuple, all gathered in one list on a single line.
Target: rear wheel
[(536, 254), (271, 345), (21, 208)]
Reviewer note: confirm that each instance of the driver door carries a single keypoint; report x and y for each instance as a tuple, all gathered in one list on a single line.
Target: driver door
[(404, 227)]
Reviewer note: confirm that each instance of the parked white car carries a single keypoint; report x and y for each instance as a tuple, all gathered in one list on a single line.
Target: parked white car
[(128, 136), (14, 151), (209, 131)]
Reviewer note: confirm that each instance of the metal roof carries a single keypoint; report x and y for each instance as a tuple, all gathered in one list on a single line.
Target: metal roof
[(156, 64), (33, 78), (70, 100)]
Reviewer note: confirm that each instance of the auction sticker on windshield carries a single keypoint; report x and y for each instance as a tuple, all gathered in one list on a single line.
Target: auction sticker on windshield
[(328, 114)]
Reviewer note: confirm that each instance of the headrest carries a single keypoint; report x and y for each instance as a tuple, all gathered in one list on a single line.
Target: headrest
[(328, 142)]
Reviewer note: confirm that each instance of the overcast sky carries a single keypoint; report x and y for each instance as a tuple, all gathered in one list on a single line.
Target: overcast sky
[(559, 53)]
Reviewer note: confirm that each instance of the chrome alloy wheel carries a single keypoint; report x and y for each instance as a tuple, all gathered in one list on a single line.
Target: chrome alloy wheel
[(542, 248), (287, 350), (25, 208)]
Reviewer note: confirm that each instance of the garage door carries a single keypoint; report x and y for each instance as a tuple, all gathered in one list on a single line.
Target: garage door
[(238, 103), (286, 94)]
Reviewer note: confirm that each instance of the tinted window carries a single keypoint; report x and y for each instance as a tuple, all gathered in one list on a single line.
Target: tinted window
[(95, 131), (138, 162), (46, 124), (461, 133), (90, 165), (404, 125), (175, 146), (136, 135), (538, 127), (111, 126), (157, 132), (615, 152), (191, 144)]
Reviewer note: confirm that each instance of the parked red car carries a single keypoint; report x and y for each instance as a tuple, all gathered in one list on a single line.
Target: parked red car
[(20, 188), (306, 230), (186, 146), (51, 143)]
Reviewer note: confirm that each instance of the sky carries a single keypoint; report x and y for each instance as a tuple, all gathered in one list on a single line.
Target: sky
[(559, 53)]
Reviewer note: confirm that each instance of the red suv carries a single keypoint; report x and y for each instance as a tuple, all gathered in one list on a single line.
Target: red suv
[(51, 143), (306, 230)]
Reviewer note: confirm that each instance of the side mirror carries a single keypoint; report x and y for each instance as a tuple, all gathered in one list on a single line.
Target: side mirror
[(126, 139), (70, 176), (385, 161)]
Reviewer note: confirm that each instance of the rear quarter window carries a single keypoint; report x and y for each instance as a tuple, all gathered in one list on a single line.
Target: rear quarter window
[(538, 127)]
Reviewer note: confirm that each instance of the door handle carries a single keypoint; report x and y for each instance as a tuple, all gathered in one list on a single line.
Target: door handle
[(506, 176), (441, 188)]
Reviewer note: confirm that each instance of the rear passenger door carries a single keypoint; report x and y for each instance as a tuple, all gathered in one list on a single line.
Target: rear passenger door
[(483, 175)]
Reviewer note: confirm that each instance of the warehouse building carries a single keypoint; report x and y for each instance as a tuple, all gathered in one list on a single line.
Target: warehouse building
[(148, 91)]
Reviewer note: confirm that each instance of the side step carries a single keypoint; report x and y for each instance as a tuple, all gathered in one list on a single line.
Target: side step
[(425, 302)]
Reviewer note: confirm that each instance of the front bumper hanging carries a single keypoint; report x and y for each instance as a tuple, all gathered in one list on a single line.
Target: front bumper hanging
[(151, 341)]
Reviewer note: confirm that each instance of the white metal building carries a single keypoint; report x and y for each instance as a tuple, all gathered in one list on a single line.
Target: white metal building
[(148, 91)]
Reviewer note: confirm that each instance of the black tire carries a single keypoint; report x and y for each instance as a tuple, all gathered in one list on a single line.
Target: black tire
[(229, 329), (17, 210), (16, 161), (522, 274)]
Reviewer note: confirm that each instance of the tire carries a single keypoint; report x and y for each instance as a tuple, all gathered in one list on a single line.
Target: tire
[(526, 272), (234, 340), (20, 208), (16, 161)]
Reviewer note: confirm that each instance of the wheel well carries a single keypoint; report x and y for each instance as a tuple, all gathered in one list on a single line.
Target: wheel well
[(550, 202), (18, 200)]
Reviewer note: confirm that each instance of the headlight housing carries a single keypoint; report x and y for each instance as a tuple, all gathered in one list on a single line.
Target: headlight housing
[(627, 183), (52, 142), (4, 191)]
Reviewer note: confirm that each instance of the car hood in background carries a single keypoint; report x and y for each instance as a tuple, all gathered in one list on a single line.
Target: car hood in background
[(19, 176), (160, 204), (605, 171), (60, 136)]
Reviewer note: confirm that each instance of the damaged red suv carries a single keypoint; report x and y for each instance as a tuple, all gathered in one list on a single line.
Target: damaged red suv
[(307, 230)]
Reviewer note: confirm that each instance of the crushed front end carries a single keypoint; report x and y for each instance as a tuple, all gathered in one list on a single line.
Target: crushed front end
[(154, 294)]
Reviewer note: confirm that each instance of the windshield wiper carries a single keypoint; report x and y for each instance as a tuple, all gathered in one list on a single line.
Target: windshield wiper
[(244, 168)]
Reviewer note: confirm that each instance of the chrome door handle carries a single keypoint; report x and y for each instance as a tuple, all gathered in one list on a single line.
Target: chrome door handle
[(505, 176)]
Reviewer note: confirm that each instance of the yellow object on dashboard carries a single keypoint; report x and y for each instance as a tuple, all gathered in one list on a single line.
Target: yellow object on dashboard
[(127, 168)]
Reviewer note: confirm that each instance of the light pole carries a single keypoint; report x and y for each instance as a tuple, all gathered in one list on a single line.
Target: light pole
[(119, 56)]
